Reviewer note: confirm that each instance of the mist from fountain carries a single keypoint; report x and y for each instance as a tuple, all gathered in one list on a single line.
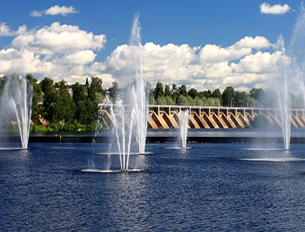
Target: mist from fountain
[(130, 110), (183, 124), (297, 54), (291, 78), (122, 132), (138, 93), (16, 104), (283, 95), (285, 110)]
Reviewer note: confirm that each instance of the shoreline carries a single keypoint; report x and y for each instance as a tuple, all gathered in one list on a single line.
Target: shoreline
[(169, 136)]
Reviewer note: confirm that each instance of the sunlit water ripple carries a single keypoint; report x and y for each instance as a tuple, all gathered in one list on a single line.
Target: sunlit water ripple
[(204, 188)]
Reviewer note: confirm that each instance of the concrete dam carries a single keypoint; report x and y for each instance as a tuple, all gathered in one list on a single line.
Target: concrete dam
[(209, 117)]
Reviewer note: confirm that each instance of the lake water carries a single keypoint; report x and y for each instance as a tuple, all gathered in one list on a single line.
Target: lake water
[(205, 188)]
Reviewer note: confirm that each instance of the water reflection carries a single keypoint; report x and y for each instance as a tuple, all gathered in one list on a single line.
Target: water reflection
[(202, 188)]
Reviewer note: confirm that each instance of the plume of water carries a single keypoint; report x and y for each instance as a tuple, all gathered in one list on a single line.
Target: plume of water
[(129, 111), (122, 132), (297, 54), (292, 77), (283, 96), (17, 100), (285, 110), (183, 124), (138, 95)]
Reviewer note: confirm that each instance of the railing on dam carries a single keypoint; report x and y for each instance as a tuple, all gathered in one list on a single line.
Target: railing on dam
[(211, 117)]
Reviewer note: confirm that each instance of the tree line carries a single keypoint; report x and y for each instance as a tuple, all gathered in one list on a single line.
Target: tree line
[(60, 110), (77, 110), (174, 95)]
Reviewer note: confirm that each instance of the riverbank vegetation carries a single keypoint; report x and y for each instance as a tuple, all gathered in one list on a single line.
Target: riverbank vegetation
[(59, 107)]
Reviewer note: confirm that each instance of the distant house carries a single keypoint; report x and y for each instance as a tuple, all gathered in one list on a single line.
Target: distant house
[(70, 90)]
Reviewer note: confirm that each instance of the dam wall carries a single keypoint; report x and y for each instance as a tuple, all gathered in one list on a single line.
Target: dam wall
[(204, 117)]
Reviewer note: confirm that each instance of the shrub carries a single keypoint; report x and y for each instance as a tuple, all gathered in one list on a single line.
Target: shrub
[(260, 121), (55, 126), (68, 127)]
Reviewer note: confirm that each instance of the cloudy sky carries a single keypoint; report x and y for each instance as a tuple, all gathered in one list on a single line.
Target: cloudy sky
[(203, 44)]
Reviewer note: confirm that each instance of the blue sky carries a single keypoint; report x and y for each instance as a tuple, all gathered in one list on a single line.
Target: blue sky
[(195, 23)]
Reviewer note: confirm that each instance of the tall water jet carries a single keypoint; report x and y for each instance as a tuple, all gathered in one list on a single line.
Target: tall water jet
[(292, 76), (123, 133), (283, 95), (130, 110), (138, 95), (297, 54), (16, 103), (183, 124), (285, 110)]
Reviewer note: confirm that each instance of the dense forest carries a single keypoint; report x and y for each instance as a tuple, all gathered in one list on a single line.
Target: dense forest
[(58, 106)]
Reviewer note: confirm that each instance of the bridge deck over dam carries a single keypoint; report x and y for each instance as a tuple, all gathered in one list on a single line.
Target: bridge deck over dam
[(210, 117)]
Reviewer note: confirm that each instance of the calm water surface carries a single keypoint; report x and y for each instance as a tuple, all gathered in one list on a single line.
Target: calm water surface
[(204, 188)]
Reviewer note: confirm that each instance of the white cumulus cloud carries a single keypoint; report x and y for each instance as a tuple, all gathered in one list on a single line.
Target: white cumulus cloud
[(6, 30), (266, 8), (59, 38), (35, 13), (62, 51), (62, 10), (59, 51), (23, 61), (80, 57), (215, 53), (54, 10), (249, 62)]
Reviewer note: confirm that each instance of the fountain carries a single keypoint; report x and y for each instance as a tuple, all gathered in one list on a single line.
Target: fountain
[(138, 94), (129, 124), (183, 124), (16, 104), (284, 100), (292, 78), (285, 112), (130, 115), (289, 80)]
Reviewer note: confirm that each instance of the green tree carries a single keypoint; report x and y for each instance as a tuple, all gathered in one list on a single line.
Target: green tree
[(198, 101), (114, 90), (159, 90), (228, 96), (50, 100), (167, 91), (183, 90), (211, 101), (79, 92), (261, 97), (260, 121), (1, 84), (206, 94), (161, 100), (95, 96), (240, 98), (217, 102), (256, 93), (193, 93), (169, 100), (80, 98), (182, 100), (95, 90), (175, 93), (37, 97), (66, 106), (151, 97), (217, 94), (190, 100)]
